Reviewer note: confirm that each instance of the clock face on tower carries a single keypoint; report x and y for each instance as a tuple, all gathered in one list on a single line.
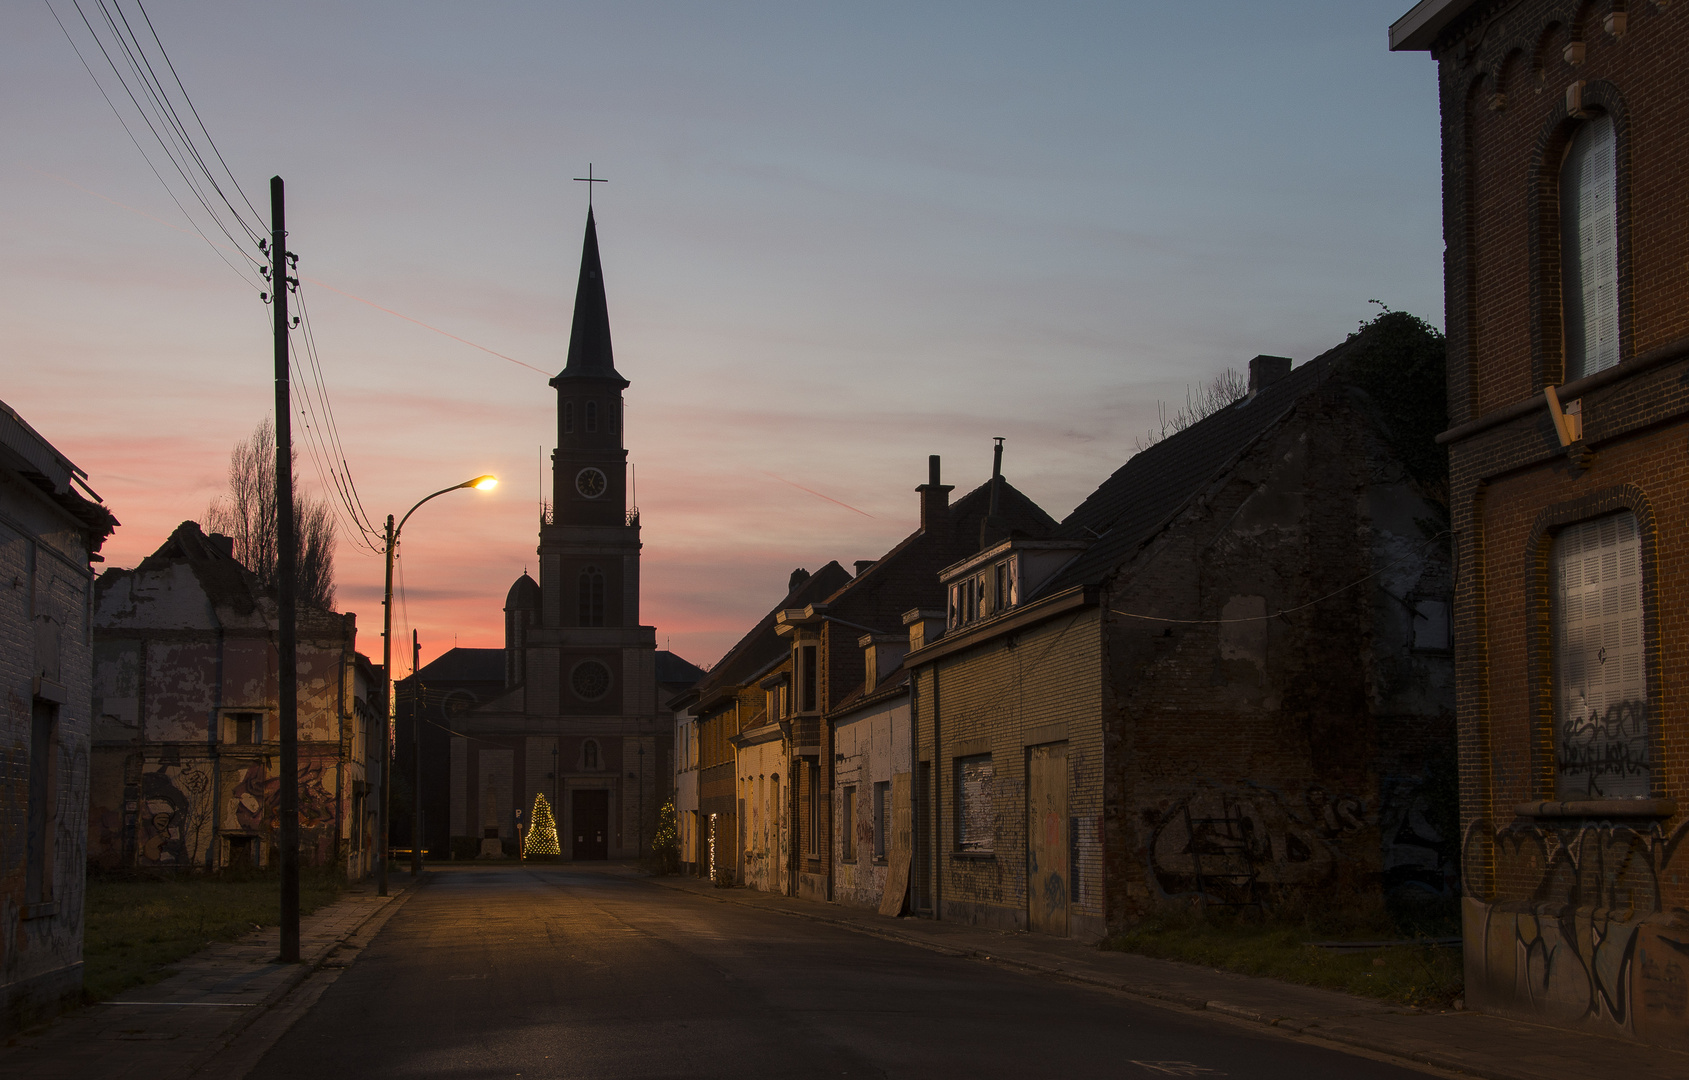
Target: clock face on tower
[(590, 483)]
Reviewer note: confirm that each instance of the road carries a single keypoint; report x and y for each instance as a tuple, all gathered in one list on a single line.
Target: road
[(558, 972)]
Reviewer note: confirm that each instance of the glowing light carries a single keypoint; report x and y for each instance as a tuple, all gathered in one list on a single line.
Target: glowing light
[(483, 483), (542, 830)]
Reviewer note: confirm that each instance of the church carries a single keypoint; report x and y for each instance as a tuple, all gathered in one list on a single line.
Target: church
[(578, 715)]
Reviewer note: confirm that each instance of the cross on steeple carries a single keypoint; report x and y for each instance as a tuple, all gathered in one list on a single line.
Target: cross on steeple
[(590, 180)]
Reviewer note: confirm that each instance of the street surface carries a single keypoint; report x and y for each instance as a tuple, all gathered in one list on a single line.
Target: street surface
[(562, 972)]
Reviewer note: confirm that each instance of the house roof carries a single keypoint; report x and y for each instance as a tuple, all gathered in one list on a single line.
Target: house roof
[(1418, 29), (761, 645), (459, 664), (226, 582), (672, 670), (25, 452), (590, 354), (1131, 506)]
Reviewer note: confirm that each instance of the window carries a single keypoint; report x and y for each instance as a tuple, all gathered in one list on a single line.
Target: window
[(590, 680), (813, 844), (245, 728), (591, 416), (568, 418), (1002, 589), (974, 816), (882, 817), (43, 802), (774, 814), (847, 825), (1431, 625), (773, 706), (808, 678), (1600, 693), (592, 596), (1589, 249)]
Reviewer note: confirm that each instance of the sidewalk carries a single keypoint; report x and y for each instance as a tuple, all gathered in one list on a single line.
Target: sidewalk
[(175, 1027), (1462, 1042)]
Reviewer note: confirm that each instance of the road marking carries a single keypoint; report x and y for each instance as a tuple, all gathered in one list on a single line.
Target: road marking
[(1178, 1068)]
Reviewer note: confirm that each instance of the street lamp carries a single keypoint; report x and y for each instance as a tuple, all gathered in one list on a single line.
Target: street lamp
[(480, 483)]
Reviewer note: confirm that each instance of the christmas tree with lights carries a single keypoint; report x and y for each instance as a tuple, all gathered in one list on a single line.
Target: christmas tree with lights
[(542, 832)]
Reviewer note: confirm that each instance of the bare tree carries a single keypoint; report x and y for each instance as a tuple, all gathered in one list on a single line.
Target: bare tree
[(247, 513), (1200, 403)]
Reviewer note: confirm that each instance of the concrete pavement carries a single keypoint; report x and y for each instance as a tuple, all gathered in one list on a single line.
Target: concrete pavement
[(185, 1025), (1464, 1043)]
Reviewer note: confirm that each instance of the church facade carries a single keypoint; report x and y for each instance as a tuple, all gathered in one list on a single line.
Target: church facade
[(580, 718)]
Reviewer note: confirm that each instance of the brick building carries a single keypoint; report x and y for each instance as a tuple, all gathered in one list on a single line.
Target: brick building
[(829, 661), (50, 534), (1565, 151), (186, 714), (739, 708), (582, 715), (1224, 680)]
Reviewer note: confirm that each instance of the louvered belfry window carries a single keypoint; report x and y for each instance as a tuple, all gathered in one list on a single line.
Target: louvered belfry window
[(1600, 689), (1589, 249)]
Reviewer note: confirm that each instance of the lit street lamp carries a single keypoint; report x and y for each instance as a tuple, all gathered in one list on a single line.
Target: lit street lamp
[(480, 483)]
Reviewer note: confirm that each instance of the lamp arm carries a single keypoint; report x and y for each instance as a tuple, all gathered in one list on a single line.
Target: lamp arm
[(418, 506)]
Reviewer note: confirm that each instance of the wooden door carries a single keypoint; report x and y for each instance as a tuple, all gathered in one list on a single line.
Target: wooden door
[(590, 824), (1046, 839)]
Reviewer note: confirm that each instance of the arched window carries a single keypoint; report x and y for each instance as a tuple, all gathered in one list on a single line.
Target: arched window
[(589, 755), (592, 596), (591, 416), (1589, 249), (568, 418)]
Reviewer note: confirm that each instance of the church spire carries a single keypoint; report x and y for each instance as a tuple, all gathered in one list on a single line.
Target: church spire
[(590, 355)]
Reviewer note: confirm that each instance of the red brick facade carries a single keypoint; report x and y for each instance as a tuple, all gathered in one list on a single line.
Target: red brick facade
[(1573, 906)]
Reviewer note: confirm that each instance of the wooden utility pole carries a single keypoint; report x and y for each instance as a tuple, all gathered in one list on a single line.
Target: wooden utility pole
[(416, 753), (382, 828), (288, 647)]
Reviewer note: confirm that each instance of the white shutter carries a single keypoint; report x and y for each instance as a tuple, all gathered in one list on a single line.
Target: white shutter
[(1590, 249), (1601, 734)]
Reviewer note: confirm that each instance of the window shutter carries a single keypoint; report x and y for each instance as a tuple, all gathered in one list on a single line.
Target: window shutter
[(1590, 249), (1601, 733)]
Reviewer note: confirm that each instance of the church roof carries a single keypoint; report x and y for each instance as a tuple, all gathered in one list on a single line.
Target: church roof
[(672, 670), (524, 595), (590, 355), (459, 664)]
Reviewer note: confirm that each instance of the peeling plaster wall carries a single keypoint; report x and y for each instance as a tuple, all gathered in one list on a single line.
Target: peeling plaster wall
[(44, 587), (174, 788), (874, 745)]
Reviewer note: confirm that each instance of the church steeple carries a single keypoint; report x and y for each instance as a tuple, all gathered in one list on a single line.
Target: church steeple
[(590, 354)]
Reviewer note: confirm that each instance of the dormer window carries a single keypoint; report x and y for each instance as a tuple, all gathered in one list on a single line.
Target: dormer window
[(984, 593)]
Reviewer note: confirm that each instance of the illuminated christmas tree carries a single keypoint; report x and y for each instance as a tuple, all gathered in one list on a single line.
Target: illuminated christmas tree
[(542, 832)]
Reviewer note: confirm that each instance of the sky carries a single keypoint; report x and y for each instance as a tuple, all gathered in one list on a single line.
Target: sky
[(836, 239)]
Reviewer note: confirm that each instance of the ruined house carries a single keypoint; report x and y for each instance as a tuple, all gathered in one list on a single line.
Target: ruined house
[(186, 739), (50, 534), (1224, 680), (1565, 149)]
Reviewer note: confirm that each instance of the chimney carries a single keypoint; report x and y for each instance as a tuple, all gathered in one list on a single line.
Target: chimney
[(223, 545), (799, 576), (1264, 371), (991, 527), (935, 499), (862, 565)]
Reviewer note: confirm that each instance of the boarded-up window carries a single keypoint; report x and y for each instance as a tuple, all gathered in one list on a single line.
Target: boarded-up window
[(847, 825), (1590, 249), (1600, 693), (882, 817), (974, 818)]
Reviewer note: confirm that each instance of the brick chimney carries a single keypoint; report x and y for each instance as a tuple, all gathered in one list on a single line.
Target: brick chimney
[(935, 499), (223, 545), (1266, 370)]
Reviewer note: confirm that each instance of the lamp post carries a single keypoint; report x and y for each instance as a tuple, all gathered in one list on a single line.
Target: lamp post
[(480, 483)]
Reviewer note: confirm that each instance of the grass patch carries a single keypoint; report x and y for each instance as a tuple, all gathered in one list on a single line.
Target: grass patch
[(136, 927), (1279, 946)]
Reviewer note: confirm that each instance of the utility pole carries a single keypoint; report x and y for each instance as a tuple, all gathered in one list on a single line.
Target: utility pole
[(386, 720), (285, 586), (416, 752)]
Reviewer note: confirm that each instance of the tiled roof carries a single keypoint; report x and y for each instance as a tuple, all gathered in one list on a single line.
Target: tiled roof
[(466, 665), (672, 669), (761, 645), (1131, 506)]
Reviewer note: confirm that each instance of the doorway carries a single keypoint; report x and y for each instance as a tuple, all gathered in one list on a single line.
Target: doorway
[(1046, 839), (590, 814)]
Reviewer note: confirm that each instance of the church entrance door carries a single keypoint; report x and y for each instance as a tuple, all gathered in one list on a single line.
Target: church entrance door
[(590, 813)]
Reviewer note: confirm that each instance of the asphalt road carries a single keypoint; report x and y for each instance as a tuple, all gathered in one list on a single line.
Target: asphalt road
[(495, 972)]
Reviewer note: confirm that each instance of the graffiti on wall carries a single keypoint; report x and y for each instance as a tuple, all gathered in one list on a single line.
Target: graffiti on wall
[(255, 802), (1604, 755), (1593, 941), (1237, 844), (176, 812)]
